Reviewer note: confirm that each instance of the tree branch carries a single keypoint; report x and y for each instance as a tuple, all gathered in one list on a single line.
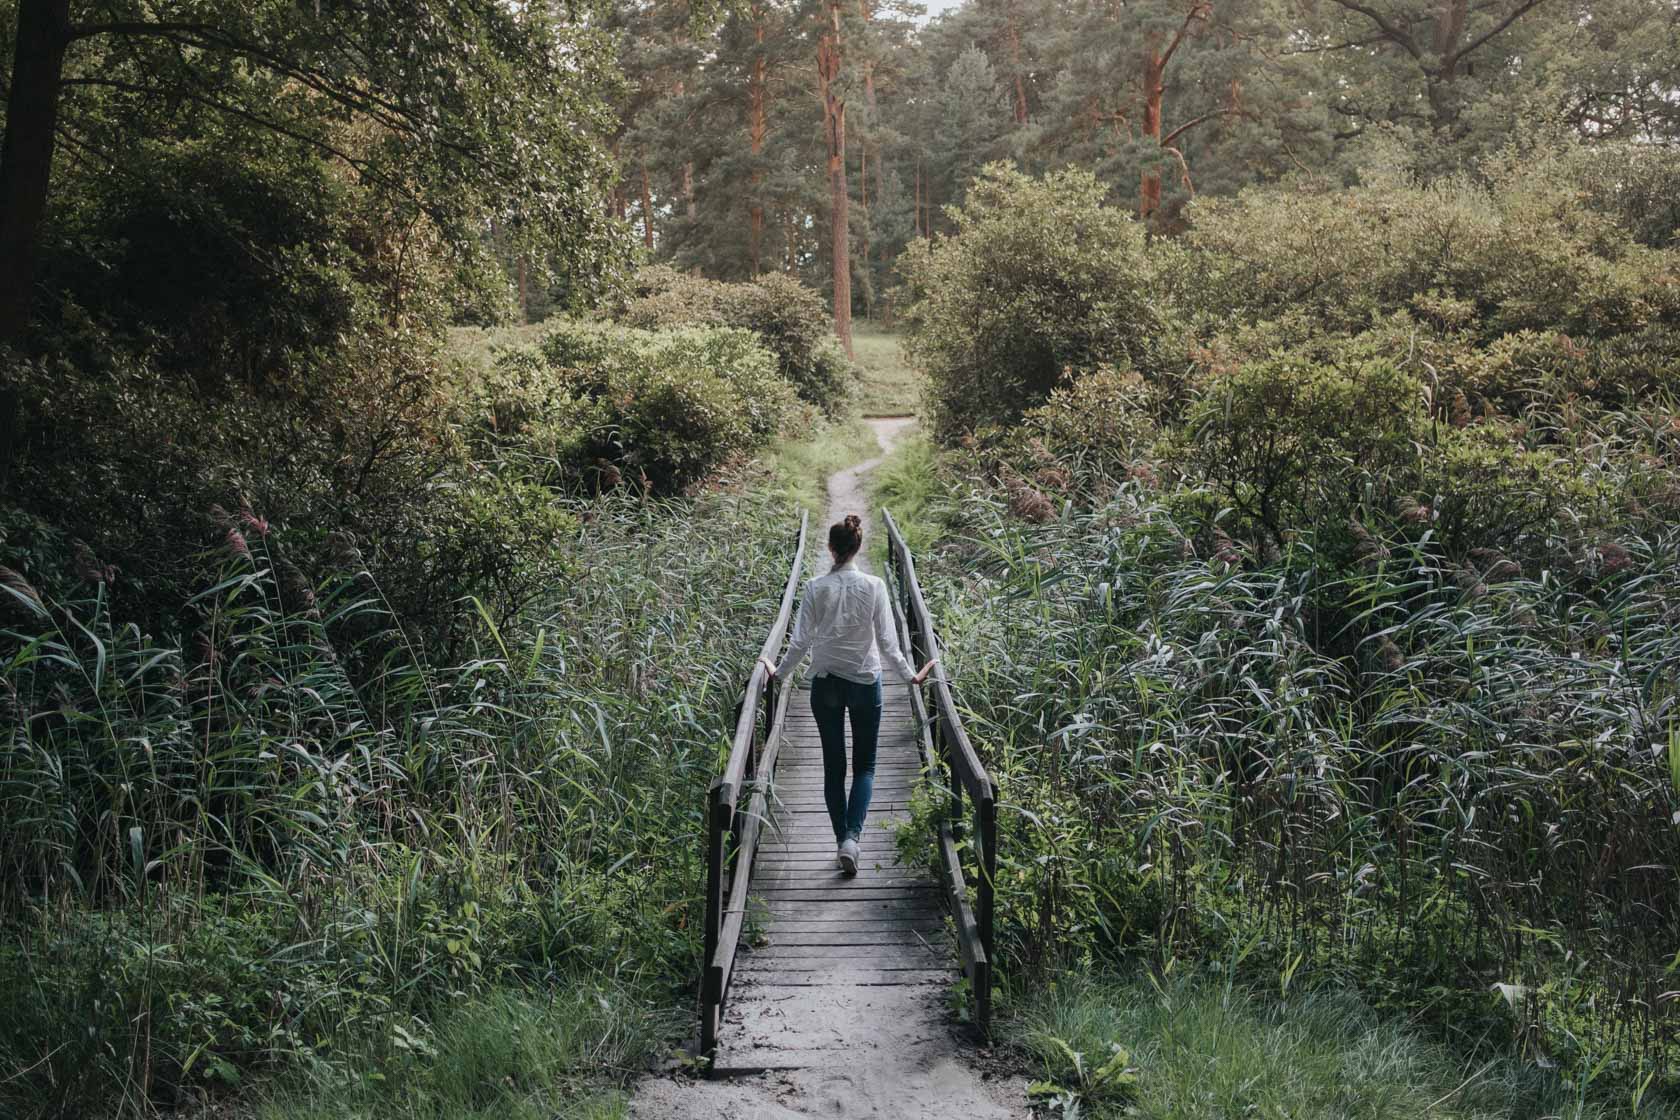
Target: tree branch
[(1229, 110), (1389, 30), (1197, 12), (1522, 10)]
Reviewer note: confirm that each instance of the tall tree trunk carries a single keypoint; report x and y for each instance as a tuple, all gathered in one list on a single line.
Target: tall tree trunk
[(1154, 90), (524, 291), (757, 98), (1450, 19), (647, 209), (1015, 63), (43, 34), (834, 131), (1155, 60)]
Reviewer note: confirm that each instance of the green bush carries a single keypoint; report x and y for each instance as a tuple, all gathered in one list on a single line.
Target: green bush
[(1523, 252), (788, 318), (595, 406), (1294, 444), (1040, 281)]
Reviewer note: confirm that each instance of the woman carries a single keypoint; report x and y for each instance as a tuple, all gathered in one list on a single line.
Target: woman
[(846, 622)]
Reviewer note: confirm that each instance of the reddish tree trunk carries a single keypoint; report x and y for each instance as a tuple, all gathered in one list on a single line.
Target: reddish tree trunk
[(757, 97), (1015, 63), (834, 131), (1154, 90), (647, 208)]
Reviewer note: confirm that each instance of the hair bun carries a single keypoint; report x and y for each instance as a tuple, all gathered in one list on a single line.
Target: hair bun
[(853, 521)]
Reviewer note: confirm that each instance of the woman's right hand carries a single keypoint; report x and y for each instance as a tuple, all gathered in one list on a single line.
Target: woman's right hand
[(921, 677)]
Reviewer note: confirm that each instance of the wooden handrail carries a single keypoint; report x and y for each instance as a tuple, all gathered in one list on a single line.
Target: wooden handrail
[(725, 819), (946, 742)]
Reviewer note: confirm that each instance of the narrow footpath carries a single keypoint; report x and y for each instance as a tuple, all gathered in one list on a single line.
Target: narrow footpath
[(839, 1009)]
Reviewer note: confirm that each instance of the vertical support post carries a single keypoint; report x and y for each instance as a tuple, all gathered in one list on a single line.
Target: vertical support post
[(988, 875), (718, 820)]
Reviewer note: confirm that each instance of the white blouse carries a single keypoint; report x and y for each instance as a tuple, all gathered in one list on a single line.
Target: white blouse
[(846, 623)]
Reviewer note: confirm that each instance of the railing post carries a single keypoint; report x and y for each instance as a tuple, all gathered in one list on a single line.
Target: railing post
[(718, 820), (988, 876)]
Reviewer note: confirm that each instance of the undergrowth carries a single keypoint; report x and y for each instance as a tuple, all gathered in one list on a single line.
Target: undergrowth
[(286, 844)]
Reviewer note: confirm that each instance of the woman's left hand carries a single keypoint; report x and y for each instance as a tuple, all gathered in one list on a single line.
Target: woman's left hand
[(768, 667)]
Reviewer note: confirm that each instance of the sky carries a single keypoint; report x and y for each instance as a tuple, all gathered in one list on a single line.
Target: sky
[(936, 7)]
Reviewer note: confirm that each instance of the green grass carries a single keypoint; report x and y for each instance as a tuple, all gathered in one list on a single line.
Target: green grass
[(908, 484), (890, 386), (1196, 1048), (509, 1055), (797, 470)]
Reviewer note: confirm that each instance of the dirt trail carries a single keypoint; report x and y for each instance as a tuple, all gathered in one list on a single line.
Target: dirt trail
[(846, 493), (899, 1056)]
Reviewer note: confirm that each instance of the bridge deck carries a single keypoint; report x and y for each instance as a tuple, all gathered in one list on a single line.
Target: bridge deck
[(825, 952)]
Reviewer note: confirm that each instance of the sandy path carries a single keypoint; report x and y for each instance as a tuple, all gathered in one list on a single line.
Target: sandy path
[(903, 1057), (846, 492)]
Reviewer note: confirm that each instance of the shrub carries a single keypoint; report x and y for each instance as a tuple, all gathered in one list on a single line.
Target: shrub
[(1293, 444), (1098, 426), (597, 405), (1519, 253), (1040, 279), (788, 318)]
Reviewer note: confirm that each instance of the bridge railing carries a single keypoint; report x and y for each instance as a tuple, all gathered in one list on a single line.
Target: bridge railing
[(732, 831), (947, 752)]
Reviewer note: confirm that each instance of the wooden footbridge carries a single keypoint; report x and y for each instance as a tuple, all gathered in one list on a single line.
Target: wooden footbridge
[(793, 949)]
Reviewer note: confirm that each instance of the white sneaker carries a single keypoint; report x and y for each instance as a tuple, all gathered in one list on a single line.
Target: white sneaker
[(849, 856)]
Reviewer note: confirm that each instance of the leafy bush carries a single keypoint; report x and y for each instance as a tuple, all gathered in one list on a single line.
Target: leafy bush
[(594, 405), (1522, 253), (788, 318), (1296, 444), (1039, 282)]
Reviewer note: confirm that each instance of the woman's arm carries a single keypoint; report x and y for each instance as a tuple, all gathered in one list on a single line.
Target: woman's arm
[(886, 637), (799, 644)]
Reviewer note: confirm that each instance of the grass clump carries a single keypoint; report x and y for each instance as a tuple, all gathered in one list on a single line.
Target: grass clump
[(513, 1054), (909, 483), (1188, 1048)]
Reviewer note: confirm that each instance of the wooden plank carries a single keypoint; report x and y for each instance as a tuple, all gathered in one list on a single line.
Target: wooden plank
[(895, 951), (819, 967), (846, 938), (867, 926), (851, 978)]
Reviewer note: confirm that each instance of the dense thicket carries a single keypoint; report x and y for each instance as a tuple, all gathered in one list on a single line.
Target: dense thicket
[(1327, 630)]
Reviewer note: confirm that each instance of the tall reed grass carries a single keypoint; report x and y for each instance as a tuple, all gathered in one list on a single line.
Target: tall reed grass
[(1459, 793), (288, 842)]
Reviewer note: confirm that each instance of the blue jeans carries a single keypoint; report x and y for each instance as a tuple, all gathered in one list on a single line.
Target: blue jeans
[(831, 698)]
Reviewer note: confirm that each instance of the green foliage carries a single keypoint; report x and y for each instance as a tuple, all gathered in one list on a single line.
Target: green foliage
[(1523, 252), (788, 319), (1291, 443), (288, 840), (596, 405), (1039, 281), (1197, 1047), (1322, 770)]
